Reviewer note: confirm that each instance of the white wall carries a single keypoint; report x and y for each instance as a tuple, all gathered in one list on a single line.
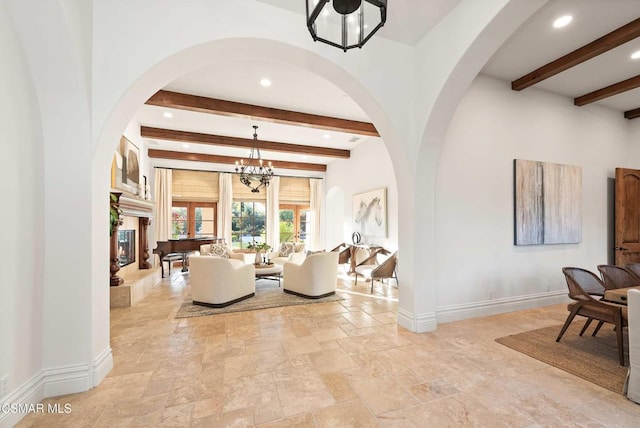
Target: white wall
[(74, 349), (477, 263), (21, 181), (368, 168)]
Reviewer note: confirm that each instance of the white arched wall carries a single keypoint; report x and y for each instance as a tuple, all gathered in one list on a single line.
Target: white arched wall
[(59, 357), (462, 43), (119, 91)]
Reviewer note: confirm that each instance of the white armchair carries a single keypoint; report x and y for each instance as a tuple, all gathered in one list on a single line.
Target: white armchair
[(315, 277), (632, 384), (219, 282), (220, 250), (287, 252)]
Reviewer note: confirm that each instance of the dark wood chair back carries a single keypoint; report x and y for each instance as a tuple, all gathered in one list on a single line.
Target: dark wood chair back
[(617, 277)]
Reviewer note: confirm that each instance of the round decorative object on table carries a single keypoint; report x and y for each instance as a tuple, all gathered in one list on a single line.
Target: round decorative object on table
[(356, 238)]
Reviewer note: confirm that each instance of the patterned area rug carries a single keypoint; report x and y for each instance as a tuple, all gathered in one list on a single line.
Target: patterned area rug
[(268, 295), (592, 358)]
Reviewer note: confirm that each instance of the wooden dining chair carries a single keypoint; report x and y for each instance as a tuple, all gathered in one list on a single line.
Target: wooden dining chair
[(579, 282), (344, 252), (372, 270), (634, 268), (617, 277)]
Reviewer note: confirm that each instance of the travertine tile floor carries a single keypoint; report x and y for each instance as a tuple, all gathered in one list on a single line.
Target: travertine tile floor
[(335, 364)]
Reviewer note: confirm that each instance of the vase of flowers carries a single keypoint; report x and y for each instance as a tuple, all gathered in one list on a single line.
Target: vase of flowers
[(259, 247)]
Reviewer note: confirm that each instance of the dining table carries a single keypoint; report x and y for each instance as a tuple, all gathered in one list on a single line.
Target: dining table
[(618, 295)]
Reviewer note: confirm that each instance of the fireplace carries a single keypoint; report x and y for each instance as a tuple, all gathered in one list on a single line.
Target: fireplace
[(126, 247)]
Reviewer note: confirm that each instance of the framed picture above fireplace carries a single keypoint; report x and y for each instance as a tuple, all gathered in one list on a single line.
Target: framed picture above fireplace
[(125, 168)]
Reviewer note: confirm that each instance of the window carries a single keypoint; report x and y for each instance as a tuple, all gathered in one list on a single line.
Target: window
[(248, 223), (193, 220), (294, 221)]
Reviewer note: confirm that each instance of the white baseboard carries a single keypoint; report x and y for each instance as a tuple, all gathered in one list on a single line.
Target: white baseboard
[(499, 306), (420, 323), (31, 392), (102, 365), (48, 383), (66, 380), (426, 322)]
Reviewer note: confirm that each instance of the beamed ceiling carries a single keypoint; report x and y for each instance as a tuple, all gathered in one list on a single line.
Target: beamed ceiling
[(588, 61), (305, 122)]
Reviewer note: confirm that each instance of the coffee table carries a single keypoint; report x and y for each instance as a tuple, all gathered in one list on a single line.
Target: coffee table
[(272, 271)]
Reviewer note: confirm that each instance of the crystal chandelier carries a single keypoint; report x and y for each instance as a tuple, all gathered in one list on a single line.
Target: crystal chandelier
[(345, 24), (254, 174)]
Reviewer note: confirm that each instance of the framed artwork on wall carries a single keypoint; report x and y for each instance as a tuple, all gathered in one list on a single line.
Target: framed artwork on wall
[(548, 203), (370, 213), (125, 169)]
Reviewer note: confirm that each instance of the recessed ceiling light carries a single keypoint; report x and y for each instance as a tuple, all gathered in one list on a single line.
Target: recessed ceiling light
[(635, 55), (265, 82), (167, 114), (562, 21), (327, 136), (186, 146)]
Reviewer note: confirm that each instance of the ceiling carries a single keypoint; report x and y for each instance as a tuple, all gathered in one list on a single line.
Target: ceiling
[(535, 44)]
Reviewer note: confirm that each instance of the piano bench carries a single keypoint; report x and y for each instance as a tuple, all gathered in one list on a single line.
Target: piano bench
[(170, 258)]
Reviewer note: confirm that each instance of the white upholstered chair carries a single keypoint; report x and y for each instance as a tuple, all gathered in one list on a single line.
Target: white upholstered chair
[(315, 277), (216, 249), (632, 384), (287, 251), (218, 281)]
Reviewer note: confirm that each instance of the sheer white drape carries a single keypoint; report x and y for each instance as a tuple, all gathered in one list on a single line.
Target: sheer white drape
[(162, 195), (225, 200), (273, 213), (314, 242)]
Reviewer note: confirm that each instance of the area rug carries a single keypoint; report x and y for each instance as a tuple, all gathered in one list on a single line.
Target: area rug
[(592, 358), (268, 295)]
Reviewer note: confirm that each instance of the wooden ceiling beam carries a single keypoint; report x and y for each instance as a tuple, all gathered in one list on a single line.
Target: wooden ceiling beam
[(230, 108), (219, 140), (607, 42), (199, 157), (609, 91), (632, 114)]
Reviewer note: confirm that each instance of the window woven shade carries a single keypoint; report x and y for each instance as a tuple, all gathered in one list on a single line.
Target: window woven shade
[(203, 186), (294, 190), (195, 186), (243, 193)]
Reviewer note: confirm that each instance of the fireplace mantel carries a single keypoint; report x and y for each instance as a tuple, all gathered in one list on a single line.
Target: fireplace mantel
[(135, 207), (131, 207)]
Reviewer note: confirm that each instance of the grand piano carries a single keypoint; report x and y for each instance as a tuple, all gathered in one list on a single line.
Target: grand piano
[(180, 247)]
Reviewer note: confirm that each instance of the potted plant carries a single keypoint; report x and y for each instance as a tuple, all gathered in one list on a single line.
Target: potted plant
[(259, 247), (115, 214)]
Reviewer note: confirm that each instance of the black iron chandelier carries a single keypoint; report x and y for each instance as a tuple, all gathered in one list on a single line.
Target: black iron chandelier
[(254, 174), (345, 24)]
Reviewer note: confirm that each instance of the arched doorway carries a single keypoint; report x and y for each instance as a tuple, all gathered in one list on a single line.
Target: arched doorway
[(157, 77)]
